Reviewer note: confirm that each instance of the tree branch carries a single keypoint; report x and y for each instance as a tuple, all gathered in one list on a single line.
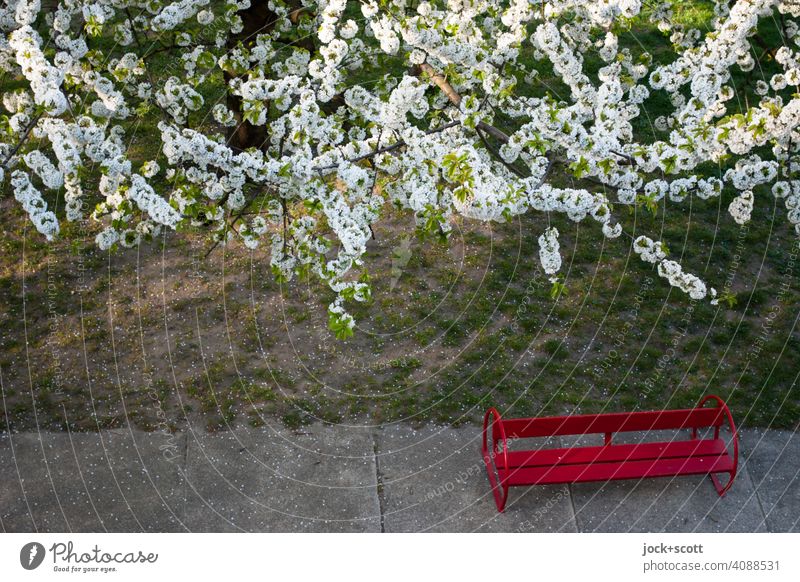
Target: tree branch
[(440, 81), (385, 149)]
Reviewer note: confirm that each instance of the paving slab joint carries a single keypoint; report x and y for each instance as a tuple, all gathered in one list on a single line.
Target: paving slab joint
[(379, 491), (572, 507), (755, 488)]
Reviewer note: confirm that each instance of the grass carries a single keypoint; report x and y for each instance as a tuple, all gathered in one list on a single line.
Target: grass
[(466, 325)]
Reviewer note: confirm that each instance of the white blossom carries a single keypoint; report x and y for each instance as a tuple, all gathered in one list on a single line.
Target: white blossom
[(742, 207), (549, 253)]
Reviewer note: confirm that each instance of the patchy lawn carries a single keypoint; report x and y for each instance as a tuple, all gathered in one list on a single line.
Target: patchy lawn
[(163, 336)]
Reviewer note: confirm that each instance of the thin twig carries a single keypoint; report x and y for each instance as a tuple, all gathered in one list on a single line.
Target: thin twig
[(497, 155), (22, 140)]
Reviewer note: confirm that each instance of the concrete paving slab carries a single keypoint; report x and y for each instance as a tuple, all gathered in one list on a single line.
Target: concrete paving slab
[(669, 504), (338, 479), (85, 482), (665, 504), (772, 458), (27, 501), (271, 479), (434, 479), (14, 512)]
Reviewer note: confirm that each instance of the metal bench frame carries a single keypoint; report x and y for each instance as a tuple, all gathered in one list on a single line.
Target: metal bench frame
[(611, 461)]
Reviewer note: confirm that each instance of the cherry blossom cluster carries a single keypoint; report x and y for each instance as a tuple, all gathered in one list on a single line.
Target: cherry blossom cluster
[(654, 252), (31, 200), (549, 251)]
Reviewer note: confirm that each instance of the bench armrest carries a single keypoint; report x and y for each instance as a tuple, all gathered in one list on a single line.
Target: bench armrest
[(721, 404)]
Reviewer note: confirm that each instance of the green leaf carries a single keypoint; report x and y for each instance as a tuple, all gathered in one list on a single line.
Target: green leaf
[(580, 168), (206, 60), (607, 165), (729, 299), (93, 27), (252, 111), (557, 290), (649, 202), (340, 325)]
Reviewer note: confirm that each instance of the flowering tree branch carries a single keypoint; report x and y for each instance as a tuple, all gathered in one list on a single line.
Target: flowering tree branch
[(328, 119)]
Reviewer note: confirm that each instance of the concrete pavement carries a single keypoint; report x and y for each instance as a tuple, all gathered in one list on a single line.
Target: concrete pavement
[(339, 479)]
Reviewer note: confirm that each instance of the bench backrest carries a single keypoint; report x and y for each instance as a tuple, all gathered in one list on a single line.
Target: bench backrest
[(613, 422)]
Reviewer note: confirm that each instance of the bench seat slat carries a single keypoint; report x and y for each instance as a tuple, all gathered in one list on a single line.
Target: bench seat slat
[(613, 422), (617, 452), (577, 473)]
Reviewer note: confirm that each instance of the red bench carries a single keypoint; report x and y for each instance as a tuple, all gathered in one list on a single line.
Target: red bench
[(611, 461)]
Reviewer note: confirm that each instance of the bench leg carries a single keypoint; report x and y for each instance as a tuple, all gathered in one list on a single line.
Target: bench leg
[(732, 473), (501, 503), (499, 490), (719, 487), (496, 480)]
